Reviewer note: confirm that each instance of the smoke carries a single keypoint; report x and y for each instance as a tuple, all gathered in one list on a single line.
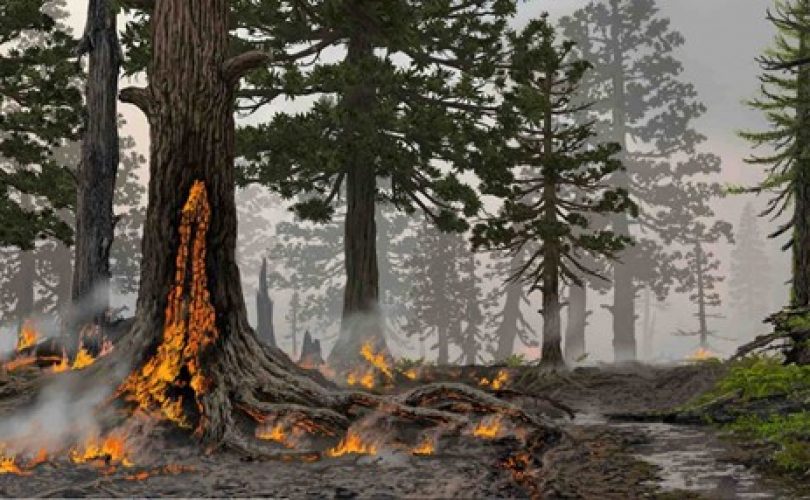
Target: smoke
[(62, 416)]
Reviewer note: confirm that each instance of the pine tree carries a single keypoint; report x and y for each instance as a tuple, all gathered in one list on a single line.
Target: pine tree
[(641, 104), (785, 101), (388, 121), (40, 102), (750, 281), (700, 280), (556, 180)]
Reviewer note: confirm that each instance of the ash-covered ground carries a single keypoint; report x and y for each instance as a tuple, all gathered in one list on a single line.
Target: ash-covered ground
[(598, 458)]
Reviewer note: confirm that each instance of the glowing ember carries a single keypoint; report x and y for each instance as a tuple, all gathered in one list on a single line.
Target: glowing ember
[(9, 466), (189, 324), (63, 365), (40, 458), (498, 382), (28, 336), (352, 443), (111, 449), (702, 354), (83, 359), (377, 360), (489, 428), (426, 447), (411, 374), (275, 433), (365, 379), (20, 362)]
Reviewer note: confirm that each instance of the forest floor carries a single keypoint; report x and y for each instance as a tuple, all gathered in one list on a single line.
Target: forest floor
[(603, 459)]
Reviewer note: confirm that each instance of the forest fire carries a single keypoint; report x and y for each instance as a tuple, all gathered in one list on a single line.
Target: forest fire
[(275, 433), (28, 336), (365, 379), (702, 354), (189, 324), (83, 359), (110, 450), (425, 447), (489, 428), (62, 365), (498, 382), (8, 465), (352, 443), (377, 360)]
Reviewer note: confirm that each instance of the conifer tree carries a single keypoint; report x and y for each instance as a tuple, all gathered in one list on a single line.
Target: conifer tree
[(556, 177), (504, 305), (641, 104), (750, 282), (40, 103), (785, 101)]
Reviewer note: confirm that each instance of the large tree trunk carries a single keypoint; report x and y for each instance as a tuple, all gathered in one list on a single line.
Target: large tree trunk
[(361, 317), (801, 217), (577, 320), (551, 354), (624, 293), (191, 355), (194, 292), (96, 177)]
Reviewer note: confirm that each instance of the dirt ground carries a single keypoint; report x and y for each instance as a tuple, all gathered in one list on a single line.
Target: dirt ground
[(598, 459)]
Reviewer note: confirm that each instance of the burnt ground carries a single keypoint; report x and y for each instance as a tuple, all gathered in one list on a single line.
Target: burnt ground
[(600, 459)]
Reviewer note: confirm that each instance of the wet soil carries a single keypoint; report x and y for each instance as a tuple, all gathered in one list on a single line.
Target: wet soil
[(601, 458)]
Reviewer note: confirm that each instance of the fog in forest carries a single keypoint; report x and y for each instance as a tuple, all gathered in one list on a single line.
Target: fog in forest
[(304, 260)]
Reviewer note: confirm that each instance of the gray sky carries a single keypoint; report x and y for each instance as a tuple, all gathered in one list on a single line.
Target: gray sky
[(723, 37)]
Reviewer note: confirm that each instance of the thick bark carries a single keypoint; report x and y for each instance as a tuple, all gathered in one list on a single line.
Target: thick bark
[(264, 309), (624, 294), (361, 317), (577, 321), (96, 177)]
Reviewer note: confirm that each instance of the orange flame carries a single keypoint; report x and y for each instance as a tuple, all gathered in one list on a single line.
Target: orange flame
[(498, 382), (111, 449), (489, 428), (63, 365), (83, 359), (702, 354), (411, 374), (189, 323), (377, 360), (426, 447), (352, 443), (365, 379), (9, 466), (275, 433), (28, 336)]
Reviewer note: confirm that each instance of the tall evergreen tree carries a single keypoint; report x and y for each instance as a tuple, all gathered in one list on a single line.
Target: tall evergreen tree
[(641, 104), (40, 102), (557, 178), (700, 279), (408, 97), (785, 101), (751, 274)]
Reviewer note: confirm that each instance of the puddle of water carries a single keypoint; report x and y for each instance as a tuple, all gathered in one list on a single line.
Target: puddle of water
[(689, 459)]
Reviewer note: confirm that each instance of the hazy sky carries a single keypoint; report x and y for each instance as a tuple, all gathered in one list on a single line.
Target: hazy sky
[(723, 37)]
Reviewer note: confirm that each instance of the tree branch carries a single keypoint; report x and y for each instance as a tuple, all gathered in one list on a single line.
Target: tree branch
[(236, 67), (138, 96)]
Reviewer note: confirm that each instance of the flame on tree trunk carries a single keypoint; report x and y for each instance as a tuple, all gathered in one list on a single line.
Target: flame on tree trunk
[(196, 360)]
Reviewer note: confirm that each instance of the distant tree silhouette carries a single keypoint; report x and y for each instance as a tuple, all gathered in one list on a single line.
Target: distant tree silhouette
[(641, 104), (504, 307), (750, 283)]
